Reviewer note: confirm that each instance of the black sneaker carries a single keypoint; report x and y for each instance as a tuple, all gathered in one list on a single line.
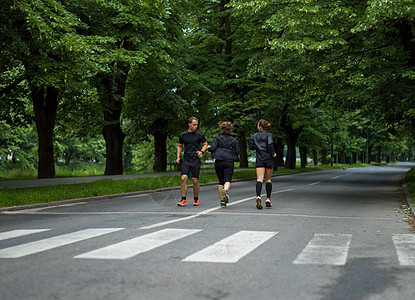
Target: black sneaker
[(268, 203)]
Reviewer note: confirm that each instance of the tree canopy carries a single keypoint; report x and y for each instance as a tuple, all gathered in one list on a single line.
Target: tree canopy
[(324, 73)]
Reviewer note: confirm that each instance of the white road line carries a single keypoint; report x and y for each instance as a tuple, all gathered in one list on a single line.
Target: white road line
[(405, 248), (314, 183), (35, 210), (53, 242), (19, 232), (336, 177), (232, 248), (207, 211), (133, 247), (133, 196), (326, 249)]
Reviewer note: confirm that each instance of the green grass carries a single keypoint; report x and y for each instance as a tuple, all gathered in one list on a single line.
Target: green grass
[(410, 182), (14, 197)]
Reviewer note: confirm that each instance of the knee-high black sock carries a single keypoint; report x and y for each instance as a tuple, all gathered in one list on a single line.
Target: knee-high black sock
[(258, 188), (268, 187)]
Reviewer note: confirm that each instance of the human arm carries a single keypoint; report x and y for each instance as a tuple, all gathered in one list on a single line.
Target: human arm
[(204, 147), (178, 151), (251, 144)]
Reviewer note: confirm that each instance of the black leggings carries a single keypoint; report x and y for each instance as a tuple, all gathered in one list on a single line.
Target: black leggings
[(224, 171)]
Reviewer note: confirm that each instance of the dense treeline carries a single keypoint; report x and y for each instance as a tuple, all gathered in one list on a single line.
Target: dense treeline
[(335, 78)]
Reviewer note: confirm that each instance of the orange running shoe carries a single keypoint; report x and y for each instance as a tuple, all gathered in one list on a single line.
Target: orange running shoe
[(195, 202), (182, 203)]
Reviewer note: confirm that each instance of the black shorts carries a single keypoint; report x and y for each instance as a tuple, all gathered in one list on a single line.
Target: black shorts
[(188, 165), (267, 164), (224, 170)]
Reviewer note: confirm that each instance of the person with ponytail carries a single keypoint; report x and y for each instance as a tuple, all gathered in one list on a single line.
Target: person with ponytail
[(263, 143), (226, 152)]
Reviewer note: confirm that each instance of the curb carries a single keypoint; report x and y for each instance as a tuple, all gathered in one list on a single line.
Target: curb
[(104, 197), (113, 196), (408, 195)]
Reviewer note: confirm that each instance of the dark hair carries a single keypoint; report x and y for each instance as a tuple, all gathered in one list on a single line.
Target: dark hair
[(264, 124), (226, 127), (191, 119)]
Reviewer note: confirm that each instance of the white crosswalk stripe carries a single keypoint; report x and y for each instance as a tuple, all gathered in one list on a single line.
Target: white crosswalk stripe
[(141, 244), (18, 233), (53, 242), (325, 249), (322, 249), (233, 248), (405, 248)]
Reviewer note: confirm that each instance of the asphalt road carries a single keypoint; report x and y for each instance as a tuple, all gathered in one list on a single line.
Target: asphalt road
[(330, 235)]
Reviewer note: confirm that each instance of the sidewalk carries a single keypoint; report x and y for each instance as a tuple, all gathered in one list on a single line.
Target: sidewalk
[(15, 184)]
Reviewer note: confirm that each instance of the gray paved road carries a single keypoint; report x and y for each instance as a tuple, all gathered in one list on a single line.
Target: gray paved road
[(330, 235)]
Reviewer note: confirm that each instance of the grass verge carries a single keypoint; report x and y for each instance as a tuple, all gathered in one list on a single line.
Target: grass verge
[(410, 183), (25, 196)]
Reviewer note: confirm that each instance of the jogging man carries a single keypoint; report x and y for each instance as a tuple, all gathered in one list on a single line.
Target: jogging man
[(191, 139)]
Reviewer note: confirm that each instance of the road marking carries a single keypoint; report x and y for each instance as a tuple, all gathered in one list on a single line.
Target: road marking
[(133, 196), (336, 177), (19, 232), (405, 248), (314, 183), (35, 210), (207, 211), (325, 249), (232, 248), (54, 242), (141, 244)]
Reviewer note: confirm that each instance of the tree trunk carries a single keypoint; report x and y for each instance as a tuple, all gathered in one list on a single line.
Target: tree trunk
[(160, 146), (243, 147), (291, 137), (315, 157), (225, 27), (111, 91), (303, 156), (343, 156), (324, 160), (68, 156), (279, 149), (378, 152), (45, 105)]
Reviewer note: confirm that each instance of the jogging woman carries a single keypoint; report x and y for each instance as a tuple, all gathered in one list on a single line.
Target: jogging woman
[(263, 143), (225, 150)]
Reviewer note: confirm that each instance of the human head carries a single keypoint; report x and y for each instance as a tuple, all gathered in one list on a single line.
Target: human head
[(264, 125), (193, 124), (226, 127)]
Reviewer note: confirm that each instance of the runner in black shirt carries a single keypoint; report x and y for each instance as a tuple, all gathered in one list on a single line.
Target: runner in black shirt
[(263, 143), (191, 139)]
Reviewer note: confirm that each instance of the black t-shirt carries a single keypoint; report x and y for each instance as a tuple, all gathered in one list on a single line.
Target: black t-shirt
[(191, 142)]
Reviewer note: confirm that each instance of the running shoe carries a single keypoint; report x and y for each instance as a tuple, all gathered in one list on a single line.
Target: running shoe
[(223, 204), (268, 203), (195, 202), (225, 196), (182, 203), (258, 203)]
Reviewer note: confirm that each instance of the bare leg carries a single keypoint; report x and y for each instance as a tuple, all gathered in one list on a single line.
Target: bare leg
[(196, 187), (268, 174), (227, 186), (220, 188), (260, 174), (183, 185)]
